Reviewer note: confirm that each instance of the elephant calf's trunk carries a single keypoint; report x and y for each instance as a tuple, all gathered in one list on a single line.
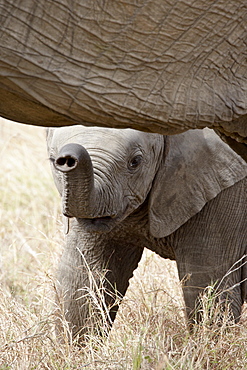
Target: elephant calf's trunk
[(69, 157), (75, 164)]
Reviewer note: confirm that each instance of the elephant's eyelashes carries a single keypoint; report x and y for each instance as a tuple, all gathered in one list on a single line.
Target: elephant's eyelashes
[(135, 162)]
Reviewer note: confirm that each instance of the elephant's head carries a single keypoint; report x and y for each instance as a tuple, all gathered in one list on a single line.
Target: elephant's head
[(105, 174)]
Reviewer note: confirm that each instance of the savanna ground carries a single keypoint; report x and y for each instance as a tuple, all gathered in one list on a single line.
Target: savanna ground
[(150, 331)]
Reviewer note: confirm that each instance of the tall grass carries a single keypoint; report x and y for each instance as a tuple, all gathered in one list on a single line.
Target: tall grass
[(150, 331)]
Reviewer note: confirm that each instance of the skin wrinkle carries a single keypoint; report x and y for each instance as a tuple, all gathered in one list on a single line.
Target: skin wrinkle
[(106, 173), (82, 180), (65, 194), (131, 92), (192, 81), (103, 259), (48, 45), (147, 108), (103, 181), (229, 254), (68, 197), (189, 88)]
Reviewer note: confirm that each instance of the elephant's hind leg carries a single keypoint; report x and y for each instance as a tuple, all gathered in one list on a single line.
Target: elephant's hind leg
[(211, 249)]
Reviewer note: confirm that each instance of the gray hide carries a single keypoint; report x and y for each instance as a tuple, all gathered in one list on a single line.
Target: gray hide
[(156, 66), (183, 197)]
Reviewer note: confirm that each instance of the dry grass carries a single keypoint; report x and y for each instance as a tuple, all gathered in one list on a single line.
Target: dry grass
[(149, 332)]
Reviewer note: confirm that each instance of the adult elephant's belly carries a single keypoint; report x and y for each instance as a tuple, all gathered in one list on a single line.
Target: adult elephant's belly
[(154, 66)]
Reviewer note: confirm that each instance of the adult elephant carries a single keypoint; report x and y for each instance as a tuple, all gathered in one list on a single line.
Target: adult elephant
[(162, 67)]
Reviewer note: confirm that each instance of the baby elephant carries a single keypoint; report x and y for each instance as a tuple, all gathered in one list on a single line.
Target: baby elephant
[(183, 197)]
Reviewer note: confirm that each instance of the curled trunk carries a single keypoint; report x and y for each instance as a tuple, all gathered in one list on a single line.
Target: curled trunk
[(77, 181)]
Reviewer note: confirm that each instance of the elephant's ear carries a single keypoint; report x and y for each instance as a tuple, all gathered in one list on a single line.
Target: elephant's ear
[(198, 166)]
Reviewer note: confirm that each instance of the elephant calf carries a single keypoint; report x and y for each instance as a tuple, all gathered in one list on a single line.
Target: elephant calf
[(183, 197)]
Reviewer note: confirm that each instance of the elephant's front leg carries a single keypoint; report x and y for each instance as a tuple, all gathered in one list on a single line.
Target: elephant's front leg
[(93, 276)]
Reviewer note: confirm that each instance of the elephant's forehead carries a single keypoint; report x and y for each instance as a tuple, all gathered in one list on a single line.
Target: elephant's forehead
[(101, 137)]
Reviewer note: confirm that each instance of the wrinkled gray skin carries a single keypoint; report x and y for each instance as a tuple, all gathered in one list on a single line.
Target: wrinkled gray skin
[(183, 197), (156, 66)]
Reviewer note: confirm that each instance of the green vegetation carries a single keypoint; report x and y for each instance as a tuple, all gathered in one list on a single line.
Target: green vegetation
[(149, 333)]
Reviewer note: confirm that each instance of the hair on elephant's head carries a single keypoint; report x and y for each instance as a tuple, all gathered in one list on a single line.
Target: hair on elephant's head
[(103, 174)]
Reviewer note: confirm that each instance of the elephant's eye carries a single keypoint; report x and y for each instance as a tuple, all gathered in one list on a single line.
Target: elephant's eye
[(134, 162), (52, 159)]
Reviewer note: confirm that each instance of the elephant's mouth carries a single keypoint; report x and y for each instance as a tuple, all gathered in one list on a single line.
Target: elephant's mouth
[(99, 224)]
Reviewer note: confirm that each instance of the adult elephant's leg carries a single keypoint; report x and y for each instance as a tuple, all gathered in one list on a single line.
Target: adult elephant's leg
[(93, 276), (211, 247)]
